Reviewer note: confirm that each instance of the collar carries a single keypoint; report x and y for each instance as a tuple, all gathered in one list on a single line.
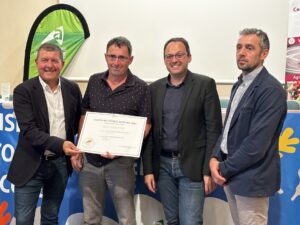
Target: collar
[(249, 77), (169, 84), (129, 81), (46, 87)]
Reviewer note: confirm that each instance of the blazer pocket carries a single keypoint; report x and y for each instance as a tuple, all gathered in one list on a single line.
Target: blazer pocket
[(245, 118), (245, 114)]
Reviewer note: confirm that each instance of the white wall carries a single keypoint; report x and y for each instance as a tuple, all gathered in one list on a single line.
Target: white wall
[(210, 26), (213, 51), (16, 19)]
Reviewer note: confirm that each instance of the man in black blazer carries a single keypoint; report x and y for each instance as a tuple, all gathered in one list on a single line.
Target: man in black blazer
[(47, 109), (245, 159), (186, 123)]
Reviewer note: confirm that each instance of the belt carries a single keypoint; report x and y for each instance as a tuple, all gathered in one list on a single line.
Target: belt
[(169, 154), (50, 157)]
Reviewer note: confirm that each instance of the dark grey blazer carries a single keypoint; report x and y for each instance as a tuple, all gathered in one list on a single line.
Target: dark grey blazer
[(31, 112), (252, 167), (199, 126)]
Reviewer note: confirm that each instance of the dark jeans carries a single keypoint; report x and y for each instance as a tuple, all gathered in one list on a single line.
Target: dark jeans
[(51, 177), (182, 198)]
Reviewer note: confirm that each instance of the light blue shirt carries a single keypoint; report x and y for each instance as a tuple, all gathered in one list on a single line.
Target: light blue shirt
[(247, 80)]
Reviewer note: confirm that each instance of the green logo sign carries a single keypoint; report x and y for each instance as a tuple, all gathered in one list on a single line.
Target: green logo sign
[(60, 24)]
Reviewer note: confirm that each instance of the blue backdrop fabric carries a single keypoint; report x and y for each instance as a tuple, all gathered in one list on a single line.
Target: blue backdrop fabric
[(284, 206)]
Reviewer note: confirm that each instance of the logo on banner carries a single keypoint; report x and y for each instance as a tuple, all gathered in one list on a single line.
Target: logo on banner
[(57, 35)]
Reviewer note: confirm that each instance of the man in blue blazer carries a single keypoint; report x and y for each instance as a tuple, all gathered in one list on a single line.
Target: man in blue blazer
[(186, 122), (245, 160), (47, 109)]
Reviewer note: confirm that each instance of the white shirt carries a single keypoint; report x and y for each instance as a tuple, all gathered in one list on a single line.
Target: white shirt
[(56, 112)]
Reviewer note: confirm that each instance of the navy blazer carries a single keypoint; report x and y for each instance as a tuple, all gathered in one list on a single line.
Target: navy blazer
[(199, 126), (252, 166), (31, 112)]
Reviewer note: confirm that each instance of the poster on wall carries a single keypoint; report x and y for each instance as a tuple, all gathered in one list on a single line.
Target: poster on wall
[(59, 24), (292, 72)]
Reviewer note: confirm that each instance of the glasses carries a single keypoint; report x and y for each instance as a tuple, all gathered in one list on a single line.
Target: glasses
[(121, 58), (179, 55)]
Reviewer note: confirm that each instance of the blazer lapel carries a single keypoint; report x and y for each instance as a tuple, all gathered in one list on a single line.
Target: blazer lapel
[(234, 89), (188, 87), (256, 82), (40, 100), (161, 91), (67, 102)]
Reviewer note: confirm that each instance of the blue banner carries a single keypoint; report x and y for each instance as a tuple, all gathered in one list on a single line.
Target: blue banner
[(8, 138), (284, 206)]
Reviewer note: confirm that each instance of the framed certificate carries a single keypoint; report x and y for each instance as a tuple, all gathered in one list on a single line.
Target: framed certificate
[(120, 135)]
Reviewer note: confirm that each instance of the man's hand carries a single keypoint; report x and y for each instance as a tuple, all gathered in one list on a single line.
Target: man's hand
[(209, 184), (215, 172), (150, 182), (108, 156), (70, 149), (77, 162)]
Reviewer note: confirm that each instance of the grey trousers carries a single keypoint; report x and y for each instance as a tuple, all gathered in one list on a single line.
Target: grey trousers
[(247, 210), (119, 178)]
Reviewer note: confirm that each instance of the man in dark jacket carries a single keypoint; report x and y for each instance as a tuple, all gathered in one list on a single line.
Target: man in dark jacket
[(245, 160), (186, 122), (47, 109)]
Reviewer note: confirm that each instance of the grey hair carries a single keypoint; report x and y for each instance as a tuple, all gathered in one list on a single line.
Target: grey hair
[(263, 37)]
